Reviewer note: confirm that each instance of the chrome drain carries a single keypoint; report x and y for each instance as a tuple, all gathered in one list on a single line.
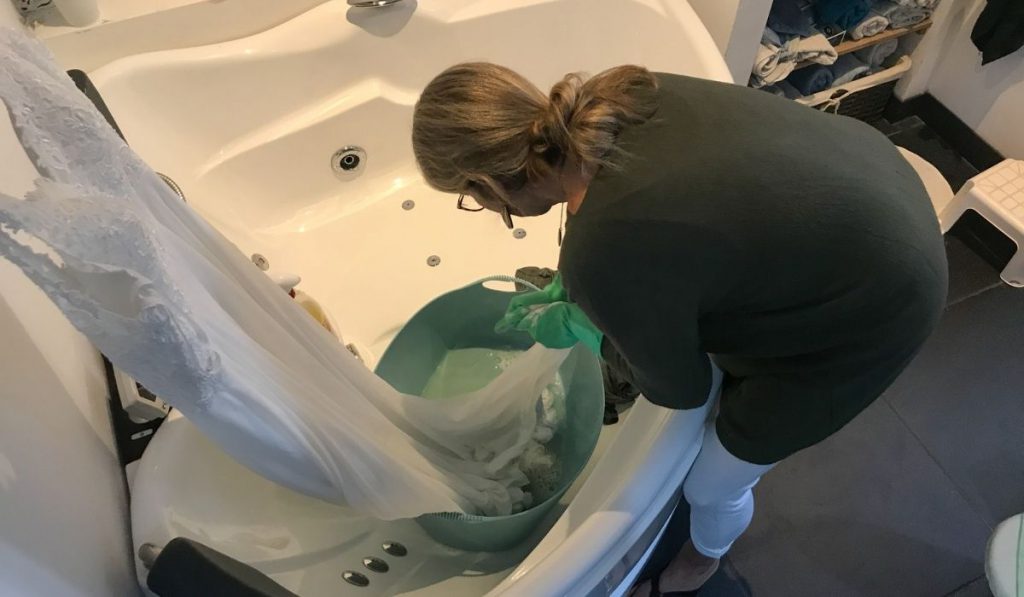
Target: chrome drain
[(348, 162)]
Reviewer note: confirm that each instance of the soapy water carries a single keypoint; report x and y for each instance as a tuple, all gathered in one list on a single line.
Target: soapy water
[(466, 370)]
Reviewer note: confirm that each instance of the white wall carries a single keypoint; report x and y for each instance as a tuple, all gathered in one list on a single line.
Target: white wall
[(63, 517), (990, 98), (736, 27)]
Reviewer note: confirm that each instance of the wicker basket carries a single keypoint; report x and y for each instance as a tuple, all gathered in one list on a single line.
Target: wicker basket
[(865, 98)]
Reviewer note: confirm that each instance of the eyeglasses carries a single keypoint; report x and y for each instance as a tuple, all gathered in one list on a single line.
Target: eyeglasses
[(467, 203)]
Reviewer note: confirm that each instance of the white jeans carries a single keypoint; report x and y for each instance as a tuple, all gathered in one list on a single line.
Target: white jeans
[(718, 489)]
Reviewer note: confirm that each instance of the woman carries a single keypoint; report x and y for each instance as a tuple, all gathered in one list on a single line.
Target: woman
[(797, 249)]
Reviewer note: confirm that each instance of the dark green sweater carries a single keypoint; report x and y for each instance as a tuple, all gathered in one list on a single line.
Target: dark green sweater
[(798, 248)]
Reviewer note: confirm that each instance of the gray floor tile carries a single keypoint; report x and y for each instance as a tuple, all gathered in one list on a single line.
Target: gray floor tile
[(969, 274), (866, 512), (923, 141), (964, 398), (891, 128), (727, 582), (977, 588)]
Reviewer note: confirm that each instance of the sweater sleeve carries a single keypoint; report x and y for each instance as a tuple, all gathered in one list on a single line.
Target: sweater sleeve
[(632, 292)]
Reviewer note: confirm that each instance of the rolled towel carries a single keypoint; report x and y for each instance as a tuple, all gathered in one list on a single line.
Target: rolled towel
[(875, 55), (844, 13), (774, 90), (929, 4), (901, 15), (811, 49), (771, 65), (811, 79), (873, 24), (787, 17), (848, 68)]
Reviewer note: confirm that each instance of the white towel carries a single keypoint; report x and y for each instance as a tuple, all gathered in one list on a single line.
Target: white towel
[(769, 67), (873, 24), (774, 63), (812, 49)]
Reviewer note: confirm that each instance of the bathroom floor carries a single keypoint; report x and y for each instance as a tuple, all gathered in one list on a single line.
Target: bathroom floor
[(901, 502)]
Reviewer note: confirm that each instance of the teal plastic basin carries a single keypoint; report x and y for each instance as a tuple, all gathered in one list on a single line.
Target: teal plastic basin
[(465, 318)]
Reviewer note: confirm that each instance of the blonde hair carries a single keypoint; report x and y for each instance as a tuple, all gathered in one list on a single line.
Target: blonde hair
[(485, 126)]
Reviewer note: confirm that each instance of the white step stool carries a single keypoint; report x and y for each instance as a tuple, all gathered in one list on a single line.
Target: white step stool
[(1005, 557), (997, 194)]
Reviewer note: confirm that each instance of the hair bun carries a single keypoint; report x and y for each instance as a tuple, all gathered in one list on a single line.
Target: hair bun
[(551, 135)]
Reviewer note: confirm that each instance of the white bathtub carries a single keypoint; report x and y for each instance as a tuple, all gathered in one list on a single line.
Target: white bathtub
[(247, 129)]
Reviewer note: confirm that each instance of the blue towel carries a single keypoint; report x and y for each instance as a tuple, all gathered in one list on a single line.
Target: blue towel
[(875, 55), (787, 19), (848, 68), (812, 79), (771, 37), (788, 89), (844, 13)]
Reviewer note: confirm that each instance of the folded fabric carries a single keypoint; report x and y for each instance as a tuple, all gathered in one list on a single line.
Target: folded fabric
[(769, 69), (770, 66), (929, 4), (787, 17), (844, 13), (811, 79), (774, 63), (848, 68), (774, 90), (901, 15), (875, 55), (811, 49), (873, 24)]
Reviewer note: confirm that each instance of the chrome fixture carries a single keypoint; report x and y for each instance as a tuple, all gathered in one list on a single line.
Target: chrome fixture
[(348, 162), (371, 3)]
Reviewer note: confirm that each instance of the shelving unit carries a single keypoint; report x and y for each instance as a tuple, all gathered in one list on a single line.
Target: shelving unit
[(851, 45)]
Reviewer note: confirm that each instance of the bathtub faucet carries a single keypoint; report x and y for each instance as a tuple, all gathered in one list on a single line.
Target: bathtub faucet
[(371, 3)]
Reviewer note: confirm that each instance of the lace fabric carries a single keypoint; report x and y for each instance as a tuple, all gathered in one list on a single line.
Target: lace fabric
[(175, 305)]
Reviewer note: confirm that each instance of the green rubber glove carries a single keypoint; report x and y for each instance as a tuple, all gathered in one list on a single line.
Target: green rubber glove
[(552, 293), (555, 325)]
